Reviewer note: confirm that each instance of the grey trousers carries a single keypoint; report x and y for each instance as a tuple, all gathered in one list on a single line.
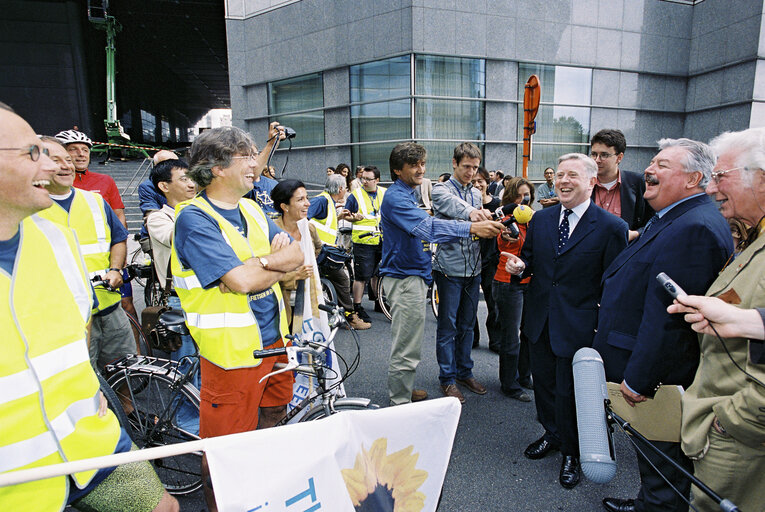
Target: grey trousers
[(407, 301)]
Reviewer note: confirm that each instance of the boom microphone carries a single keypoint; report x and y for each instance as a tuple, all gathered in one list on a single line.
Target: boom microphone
[(596, 443)]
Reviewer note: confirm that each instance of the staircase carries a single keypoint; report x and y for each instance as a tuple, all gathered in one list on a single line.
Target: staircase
[(128, 175)]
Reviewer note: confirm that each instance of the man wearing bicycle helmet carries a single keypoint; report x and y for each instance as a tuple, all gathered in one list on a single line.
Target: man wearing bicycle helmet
[(102, 240), (51, 409), (78, 146)]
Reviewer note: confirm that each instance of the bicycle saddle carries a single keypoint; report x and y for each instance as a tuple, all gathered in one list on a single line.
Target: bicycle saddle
[(174, 321)]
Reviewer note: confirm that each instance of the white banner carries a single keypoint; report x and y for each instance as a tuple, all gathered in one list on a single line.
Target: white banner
[(313, 320), (370, 460)]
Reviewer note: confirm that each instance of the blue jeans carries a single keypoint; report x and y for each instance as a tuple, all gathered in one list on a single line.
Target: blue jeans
[(187, 416), (508, 305), (457, 310)]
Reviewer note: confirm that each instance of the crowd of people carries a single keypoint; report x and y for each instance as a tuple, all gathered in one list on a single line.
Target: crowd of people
[(225, 241)]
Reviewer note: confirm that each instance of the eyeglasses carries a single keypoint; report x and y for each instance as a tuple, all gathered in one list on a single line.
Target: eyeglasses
[(716, 175), (602, 156), (249, 158), (367, 179), (33, 151)]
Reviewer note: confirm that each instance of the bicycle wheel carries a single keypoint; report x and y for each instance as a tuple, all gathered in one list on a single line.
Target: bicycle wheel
[(163, 413), (381, 301), (328, 289), (341, 405), (115, 405), (138, 257), (433, 293)]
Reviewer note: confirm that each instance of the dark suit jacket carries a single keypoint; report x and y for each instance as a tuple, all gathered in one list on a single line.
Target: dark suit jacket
[(636, 211), (565, 287), (639, 341)]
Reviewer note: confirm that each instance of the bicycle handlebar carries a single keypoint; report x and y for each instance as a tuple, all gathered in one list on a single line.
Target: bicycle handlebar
[(269, 352)]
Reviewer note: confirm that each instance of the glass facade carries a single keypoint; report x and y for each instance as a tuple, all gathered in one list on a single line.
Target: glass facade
[(384, 113), (452, 120), (148, 126), (563, 120), (289, 99)]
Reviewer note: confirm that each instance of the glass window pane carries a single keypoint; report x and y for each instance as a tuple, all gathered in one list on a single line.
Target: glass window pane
[(555, 123), (375, 81), (148, 126), (449, 119), (380, 80), (295, 94), (380, 121), (450, 76), (373, 154)]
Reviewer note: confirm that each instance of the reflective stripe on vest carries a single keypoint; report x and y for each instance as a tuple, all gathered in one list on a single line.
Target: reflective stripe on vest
[(87, 217), (223, 324), (49, 393), (371, 212), (327, 227)]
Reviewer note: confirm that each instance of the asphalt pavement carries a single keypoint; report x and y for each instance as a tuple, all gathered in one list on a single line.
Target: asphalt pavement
[(487, 471)]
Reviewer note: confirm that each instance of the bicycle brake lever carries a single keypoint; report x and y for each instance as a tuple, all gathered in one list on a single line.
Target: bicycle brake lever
[(292, 363)]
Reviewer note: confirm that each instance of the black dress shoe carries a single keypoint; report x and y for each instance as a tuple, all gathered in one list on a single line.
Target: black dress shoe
[(539, 449), (618, 505), (569, 471)]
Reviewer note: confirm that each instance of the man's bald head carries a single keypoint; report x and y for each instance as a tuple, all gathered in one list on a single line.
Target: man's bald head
[(162, 155)]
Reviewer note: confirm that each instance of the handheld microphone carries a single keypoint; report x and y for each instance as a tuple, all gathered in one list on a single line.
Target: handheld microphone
[(596, 443), (503, 211), (526, 199)]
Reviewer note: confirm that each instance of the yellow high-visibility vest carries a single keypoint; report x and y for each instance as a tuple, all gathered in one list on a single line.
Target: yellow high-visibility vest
[(223, 324), (87, 217), (49, 394), (327, 227), (371, 212)]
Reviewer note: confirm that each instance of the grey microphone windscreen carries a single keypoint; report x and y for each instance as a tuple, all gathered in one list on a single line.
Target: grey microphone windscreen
[(596, 447)]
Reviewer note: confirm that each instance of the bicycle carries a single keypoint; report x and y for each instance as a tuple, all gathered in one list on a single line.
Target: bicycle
[(431, 297), (136, 271), (160, 393), (331, 401)]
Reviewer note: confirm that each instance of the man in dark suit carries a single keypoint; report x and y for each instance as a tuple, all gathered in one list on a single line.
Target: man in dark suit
[(642, 345), (617, 191), (567, 248)]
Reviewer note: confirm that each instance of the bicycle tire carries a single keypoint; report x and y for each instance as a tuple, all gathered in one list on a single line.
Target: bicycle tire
[(114, 405), (329, 291), (154, 422), (138, 257), (142, 345), (381, 301), (433, 294), (341, 405)]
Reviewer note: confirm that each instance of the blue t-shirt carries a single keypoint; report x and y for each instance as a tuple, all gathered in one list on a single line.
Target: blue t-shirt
[(200, 246), (353, 206), (149, 199), (119, 233), (408, 231), (8, 250), (261, 194), (318, 208)]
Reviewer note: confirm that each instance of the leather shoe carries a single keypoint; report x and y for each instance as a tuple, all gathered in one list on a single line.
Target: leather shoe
[(569, 471), (618, 505), (453, 390), (418, 395), (473, 385), (539, 449)]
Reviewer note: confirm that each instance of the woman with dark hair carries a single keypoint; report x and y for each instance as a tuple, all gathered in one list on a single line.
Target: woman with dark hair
[(508, 291), (345, 172), (291, 201), (489, 259)]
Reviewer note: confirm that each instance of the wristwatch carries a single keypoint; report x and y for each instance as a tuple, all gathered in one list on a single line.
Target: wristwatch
[(263, 262)]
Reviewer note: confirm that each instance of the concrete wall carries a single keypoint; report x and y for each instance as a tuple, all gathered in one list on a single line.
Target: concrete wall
[(660, 69)]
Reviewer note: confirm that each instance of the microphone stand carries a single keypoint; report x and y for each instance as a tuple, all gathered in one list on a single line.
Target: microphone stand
[(725, 504)]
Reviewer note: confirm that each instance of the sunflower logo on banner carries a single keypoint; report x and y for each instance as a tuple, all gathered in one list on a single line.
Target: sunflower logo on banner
[(380, 482), (353, 461)]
